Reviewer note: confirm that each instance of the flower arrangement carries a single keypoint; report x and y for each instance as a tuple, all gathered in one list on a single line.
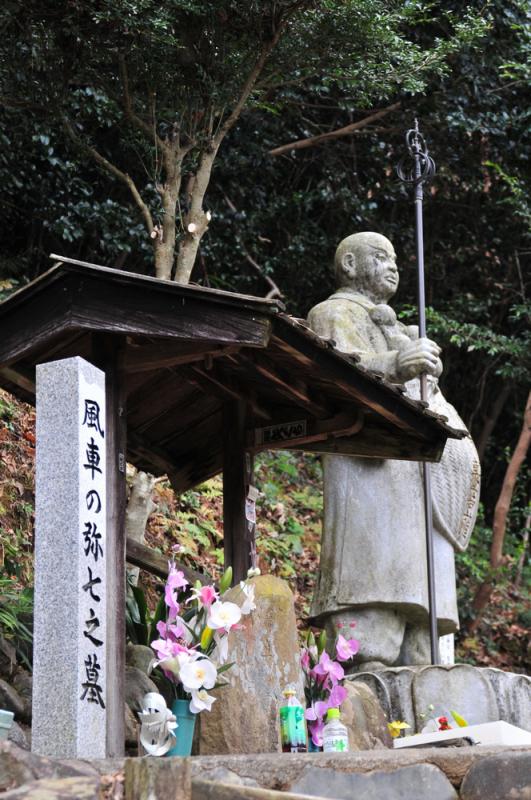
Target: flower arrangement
[(323, 677), (192, 650)]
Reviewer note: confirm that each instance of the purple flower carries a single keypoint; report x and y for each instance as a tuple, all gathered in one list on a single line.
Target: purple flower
[(305, 660), (326, 668), (176, 580), (317, 710), (345, 649), (337, 696), (316, 731)]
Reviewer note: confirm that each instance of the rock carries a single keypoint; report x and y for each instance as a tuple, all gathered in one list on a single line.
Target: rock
[(23, 683), (501, 777), (148, 777), (8, 658), (140, 656), (223, 775), (513, 695), (244, 718), (416, 783), (461, 688), (80, 788), (137, 684), (131, 727), (479, 694), (11, 700), (364, 717), (275, 771), (19, 766), (18, 737)]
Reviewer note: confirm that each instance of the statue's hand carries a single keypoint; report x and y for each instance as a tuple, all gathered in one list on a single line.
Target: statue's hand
[(418, 356)]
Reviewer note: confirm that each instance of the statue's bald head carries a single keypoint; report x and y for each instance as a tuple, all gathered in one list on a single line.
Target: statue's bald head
[(359, 263)]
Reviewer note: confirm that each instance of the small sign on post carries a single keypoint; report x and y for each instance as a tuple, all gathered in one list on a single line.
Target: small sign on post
[(70, 655)]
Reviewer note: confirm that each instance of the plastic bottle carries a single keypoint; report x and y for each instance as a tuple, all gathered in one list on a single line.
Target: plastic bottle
[(335, 734), (292, 723)]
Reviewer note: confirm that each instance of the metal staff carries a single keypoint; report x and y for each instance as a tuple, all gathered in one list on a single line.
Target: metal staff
[(417, 168)]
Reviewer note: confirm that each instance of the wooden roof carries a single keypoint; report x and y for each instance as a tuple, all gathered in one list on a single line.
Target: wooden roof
[(188, 351)]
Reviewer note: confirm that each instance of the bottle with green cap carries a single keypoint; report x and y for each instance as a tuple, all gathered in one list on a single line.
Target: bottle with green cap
[(292, 723), (335, 734)]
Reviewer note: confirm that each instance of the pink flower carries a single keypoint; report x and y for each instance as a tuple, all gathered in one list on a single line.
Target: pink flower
[(205, 596), (317, 710), (337, 696), (171, 631), (326, 668), (316, 731), (176, 580), (305, 660), (345, 649)]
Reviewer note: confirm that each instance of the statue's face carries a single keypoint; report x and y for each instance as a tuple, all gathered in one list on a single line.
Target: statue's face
[(373, 269)]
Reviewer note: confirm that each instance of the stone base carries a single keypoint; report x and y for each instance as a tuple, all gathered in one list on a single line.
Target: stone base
[(479, 694)]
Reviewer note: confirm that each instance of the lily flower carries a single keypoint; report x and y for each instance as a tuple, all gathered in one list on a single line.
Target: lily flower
[(223, 615), (197, 674), (248, 604), (222, 646), (201, 701)]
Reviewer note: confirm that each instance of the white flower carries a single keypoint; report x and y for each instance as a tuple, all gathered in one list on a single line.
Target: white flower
[(252, 572), (198, 673), (223, 615), (222, 643), (192, 227), (248, 604), (201, 701)]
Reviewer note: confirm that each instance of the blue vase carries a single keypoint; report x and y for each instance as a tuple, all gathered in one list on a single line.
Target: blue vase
[(185, 731)]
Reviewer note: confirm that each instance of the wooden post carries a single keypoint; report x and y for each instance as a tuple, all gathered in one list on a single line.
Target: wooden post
[(109, 356), (236, 468)]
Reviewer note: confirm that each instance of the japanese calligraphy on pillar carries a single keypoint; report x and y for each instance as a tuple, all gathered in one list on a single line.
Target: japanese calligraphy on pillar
[(92, 549)]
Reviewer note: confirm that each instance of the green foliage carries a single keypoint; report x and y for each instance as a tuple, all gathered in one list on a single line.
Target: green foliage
[(16, 610), (141, 625)]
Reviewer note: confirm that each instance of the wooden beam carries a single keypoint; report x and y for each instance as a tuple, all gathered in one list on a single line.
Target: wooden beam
[(227, 389), (160, 459), (20, 380), (374, 442), (279, 434), (235, 481), (151, 357), (287, 386), (139, 555)]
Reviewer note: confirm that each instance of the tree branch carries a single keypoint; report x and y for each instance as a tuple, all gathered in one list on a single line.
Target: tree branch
[(141, 124), (301, 144), (250, 82), (112, 169)]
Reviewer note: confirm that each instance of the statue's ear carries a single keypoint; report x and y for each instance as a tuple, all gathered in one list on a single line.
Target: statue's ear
[(348, 262)]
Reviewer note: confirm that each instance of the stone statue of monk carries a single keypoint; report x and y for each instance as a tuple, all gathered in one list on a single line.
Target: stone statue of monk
[(373, 556)]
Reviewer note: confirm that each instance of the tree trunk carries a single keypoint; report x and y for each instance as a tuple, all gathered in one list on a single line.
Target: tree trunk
[(139, 507), (491, 420), (195, 221), (523, 554), (500, 514)]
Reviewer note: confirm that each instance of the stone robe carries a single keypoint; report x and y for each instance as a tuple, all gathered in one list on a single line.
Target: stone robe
[(373, 549)]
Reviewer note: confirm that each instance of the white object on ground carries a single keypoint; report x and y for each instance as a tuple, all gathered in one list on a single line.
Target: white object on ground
[(490, 733)]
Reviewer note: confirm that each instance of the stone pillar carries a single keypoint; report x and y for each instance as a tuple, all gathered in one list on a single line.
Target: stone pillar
[(70, 657)]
